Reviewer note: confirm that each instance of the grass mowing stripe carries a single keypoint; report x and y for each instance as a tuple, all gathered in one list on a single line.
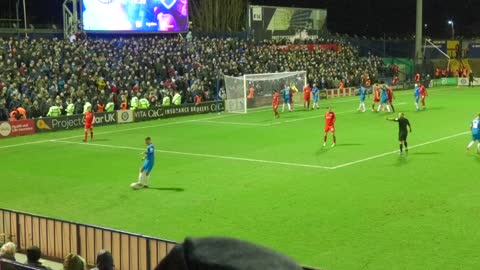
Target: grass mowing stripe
[(396, 151), (198, 155)]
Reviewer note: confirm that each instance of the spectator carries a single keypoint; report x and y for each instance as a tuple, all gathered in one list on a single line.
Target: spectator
[(74, 262), (7, 252), (223, 254), (104, 261), (115, 70), (33, 258)]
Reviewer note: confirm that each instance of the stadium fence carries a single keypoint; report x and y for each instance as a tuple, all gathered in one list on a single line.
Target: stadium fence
[(57, 238)]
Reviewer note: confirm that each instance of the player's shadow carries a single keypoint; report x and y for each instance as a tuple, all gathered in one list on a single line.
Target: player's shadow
[(174, 189), (323, 150), (101, 140), (402, 161)]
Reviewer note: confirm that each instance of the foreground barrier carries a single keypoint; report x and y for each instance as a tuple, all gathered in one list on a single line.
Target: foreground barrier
[(57, 238)]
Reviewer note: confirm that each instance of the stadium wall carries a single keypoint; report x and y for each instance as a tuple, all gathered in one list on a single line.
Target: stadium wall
[(57, 238)]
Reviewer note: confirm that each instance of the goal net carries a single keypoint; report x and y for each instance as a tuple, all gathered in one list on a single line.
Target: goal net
[(256, 90)]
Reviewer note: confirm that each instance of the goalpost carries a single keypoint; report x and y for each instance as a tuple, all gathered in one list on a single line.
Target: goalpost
[(432, 51), (256, 90)]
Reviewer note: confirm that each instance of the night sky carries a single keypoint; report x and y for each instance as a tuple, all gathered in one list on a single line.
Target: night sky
[(361, 17)]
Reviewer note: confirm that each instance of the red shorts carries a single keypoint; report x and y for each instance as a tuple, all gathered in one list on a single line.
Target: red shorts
[(306, 98), (390, 100), (376, 100), (275, 107), (422, 97), (88, 126), (329, 129)]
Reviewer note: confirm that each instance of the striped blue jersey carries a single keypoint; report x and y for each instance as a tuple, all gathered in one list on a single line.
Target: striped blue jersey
[(476, 126), (150, 153)]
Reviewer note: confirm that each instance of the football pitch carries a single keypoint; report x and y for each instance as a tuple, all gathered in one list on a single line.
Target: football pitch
[(359, 205)]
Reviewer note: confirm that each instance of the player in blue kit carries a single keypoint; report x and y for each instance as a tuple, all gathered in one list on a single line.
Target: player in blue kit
[(384, 99), (316, 96), (149, 161), (286, 98), (363, 94), (475, 127), (417, 97)]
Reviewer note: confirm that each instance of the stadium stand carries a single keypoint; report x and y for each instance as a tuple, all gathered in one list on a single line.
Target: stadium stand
[(39, 73)]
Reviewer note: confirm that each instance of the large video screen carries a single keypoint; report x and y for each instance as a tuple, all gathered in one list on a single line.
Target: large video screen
[(135, 15)]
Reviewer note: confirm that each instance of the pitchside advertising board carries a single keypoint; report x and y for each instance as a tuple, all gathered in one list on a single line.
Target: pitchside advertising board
[(16, 128), (465, 81), (73, 121), (182, 110)]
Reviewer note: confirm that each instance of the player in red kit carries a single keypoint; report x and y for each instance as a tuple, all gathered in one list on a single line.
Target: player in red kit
[(306, 96), (275, 103), (88, 118), (390, 97), (423, 94), (329, 126), (376, 96)]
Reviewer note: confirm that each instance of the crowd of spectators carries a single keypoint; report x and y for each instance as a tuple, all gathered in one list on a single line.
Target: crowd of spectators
[(36, 74)]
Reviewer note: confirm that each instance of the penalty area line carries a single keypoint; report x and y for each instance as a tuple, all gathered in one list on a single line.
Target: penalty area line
[(396, 151), (198, 155)]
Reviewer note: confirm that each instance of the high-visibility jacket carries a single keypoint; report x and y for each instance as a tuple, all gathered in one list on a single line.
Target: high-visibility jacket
[(70, 109), (110, 107), (13, 115), (177, 99), (54, 111), (134, 103), (166, 101), (23, 112), (143, 103), (100, 107)]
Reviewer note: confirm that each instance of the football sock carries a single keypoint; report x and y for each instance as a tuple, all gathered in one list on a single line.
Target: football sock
[(140, 176), (147, 180), (406, 145), (289, 107), (91, 135), (478, 147), (334, 139), (401, 147), (283, 107), (416, 106), (325, 138), (86, 136), (470, 144), (393, 109), (379, 107), (388, 108)]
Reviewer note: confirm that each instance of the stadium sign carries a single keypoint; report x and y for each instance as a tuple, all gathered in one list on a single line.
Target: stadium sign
[(465, 81), (16, 128), (445, 81), (181, 110), (124, 116), (73, 121)]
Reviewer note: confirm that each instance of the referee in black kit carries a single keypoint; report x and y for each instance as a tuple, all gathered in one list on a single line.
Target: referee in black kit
[(403, 123)]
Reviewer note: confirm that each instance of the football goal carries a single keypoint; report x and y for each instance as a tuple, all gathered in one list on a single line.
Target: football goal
[(256, 90)]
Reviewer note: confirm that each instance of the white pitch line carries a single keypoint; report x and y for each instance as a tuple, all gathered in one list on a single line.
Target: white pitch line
[(198, 155), (396, 151)]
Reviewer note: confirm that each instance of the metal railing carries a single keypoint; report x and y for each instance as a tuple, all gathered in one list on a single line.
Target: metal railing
[(57, 238)]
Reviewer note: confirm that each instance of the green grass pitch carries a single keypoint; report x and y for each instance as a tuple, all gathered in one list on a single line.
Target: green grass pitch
[(356, 206)]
